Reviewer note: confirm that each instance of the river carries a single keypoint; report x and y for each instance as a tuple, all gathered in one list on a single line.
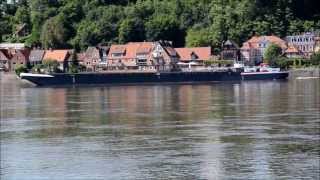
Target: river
[(248, 130)]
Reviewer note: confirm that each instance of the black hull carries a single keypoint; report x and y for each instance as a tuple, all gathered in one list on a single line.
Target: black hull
[(265, 76), (138, 78)]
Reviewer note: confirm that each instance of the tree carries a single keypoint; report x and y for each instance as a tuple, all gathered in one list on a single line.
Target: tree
[(74, 66), (22, 15), (91, 22), (164, 27), (131, 30), (198, 37), (53, 34), (271, 54)]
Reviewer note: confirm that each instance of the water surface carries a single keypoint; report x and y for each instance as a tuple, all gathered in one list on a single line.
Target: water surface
[(251, 130)]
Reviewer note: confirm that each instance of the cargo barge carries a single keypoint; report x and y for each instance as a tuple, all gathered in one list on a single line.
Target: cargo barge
[(147, 77)]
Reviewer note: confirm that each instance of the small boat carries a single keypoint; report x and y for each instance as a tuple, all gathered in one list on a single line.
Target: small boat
[(262, 72)]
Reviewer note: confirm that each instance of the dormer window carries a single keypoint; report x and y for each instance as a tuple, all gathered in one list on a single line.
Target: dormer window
[(194, 56)]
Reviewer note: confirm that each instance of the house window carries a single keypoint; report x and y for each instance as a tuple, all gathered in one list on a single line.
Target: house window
[(14, 63), (21, 62), (116, 55)]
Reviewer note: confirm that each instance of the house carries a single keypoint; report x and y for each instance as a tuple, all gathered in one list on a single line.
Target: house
[(142, 56), (293, 52), (4, 60), (230, 51), (92, 58), (252, 51), (104, 50), (61, 56), (305, 42), (19, 57), (317, 44), (36, 56), (81, 57), (169, 54), (117, 55), (193, 56), (95, 57)]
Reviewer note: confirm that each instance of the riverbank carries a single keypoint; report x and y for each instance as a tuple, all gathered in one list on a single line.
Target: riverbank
[(304, 72)]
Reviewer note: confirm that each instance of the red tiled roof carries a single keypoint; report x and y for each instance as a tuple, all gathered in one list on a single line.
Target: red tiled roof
[(118, 49), (131, 49), (59, 55), (171, 51), (203, 53), (255, 40), (144, 48)]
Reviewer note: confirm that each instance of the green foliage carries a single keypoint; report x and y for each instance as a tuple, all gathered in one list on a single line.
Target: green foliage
[(315, 59), (284, 63), (54, 33), (37, 68), (131, 30), (271, 54), (162, 27), (21, 69), (83, 23), (51, 66), (74, 66), (198, 37)]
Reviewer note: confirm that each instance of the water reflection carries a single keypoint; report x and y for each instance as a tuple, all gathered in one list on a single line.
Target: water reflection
[(258, 130)]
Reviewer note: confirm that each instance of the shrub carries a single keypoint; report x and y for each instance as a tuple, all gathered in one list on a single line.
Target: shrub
[(315, 59), (218, 62), (21, 69), (37, 68), (51, 65), (284, 63), (73, 69)]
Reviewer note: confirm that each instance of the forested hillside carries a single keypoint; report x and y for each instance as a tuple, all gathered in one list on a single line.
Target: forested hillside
[(81, 23)]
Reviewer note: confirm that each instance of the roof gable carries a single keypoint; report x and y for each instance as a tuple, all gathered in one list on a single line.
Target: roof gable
[(21, 55), (4, 55), (92, 53), (36, 55)]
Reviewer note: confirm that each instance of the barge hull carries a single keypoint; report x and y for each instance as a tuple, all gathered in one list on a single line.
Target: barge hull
[(130, 78)]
